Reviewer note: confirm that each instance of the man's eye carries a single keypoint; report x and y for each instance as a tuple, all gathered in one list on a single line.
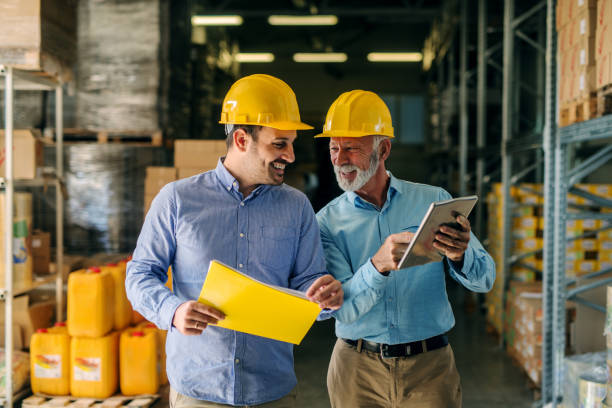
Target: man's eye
[(333, 149), (279, 145)]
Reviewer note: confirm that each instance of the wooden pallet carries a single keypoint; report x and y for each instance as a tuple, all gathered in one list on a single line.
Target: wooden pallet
[(579, 110), (604, 100), (152, 138), (46, 401)]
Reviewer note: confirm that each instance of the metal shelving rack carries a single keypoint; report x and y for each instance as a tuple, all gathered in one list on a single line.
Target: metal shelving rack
[(18, 79), (560, 180), (515, 142)]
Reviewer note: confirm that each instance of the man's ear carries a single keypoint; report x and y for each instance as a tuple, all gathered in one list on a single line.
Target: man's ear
[(385, 149), (241, 139)]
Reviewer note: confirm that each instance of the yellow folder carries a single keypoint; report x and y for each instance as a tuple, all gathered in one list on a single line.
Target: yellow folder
[(254, 307)]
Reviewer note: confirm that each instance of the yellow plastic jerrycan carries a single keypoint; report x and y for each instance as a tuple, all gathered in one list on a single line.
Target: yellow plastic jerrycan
[(94, 366), (59, 327), (138, 362), (91, 302), (123, 308), (50, 362), (161, 342)]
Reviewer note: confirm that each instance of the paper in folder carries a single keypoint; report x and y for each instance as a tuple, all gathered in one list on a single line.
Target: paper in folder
[(254, 307)]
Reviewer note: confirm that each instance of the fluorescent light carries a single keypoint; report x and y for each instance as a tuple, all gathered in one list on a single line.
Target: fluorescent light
[(395, 57), (254, 57), (319, 57), (314, 20), (216, 20)]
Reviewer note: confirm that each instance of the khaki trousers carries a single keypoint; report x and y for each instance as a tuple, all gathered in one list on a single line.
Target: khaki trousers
[(364, 379), (178, 400)]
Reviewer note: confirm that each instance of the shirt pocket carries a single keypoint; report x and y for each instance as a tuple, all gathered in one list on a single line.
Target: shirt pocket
[(277, 247)]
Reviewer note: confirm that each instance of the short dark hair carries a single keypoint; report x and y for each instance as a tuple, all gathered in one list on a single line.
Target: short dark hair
[(230, 128)]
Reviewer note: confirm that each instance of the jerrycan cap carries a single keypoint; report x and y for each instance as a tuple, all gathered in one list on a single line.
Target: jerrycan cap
[(42, 331), (60, 324), (112, 264), (137, 334), (94, 269)]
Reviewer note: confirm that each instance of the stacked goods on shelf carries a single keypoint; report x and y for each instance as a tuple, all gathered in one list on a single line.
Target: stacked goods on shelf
[(512, 316), (99, 359), (22, 230), (576, 33), (119, 80), (39, 35), (527, 347), (592, 251)]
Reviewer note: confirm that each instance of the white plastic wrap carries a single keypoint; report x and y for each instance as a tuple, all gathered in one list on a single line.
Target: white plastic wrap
[(118, 65)]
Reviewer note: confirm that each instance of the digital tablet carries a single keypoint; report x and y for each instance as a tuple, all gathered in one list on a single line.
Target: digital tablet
[(421, 250)]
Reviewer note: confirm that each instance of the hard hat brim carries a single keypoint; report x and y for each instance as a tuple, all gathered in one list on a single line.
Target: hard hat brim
[(350, 133), (276, 125)]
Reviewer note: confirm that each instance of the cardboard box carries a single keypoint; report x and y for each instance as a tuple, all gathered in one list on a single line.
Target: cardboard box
[(148, 199), (17, 337), (41, 252), (185, 172), (30, 317), (157, 177), (586, 19), (27, 153), (39, 35), (198, 154)]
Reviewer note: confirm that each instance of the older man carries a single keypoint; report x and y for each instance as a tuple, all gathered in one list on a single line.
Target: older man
[(392, 349)]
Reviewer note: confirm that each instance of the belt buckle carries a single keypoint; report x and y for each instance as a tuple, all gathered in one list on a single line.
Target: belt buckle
[(384, 348)]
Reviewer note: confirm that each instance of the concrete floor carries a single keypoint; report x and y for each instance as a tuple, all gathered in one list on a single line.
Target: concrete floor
[(488, 376)]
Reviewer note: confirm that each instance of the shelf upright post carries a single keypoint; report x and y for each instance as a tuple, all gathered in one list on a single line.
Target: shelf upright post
[(507, 132), (59, 200), (8, 235), (552, 225), (481, 118), (463, 101)]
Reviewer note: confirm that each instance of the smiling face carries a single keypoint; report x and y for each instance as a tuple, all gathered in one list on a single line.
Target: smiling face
[(268, 156), (355, 160)]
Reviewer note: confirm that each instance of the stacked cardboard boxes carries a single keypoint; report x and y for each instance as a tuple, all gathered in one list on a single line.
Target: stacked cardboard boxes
[(39, 35), (191, 157), (603, 43), (576, 33)]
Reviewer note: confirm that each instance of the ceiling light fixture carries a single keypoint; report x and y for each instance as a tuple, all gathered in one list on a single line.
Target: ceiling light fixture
[(319, 57), (254, 57), (395, 57), (314, 20), (216, 20)]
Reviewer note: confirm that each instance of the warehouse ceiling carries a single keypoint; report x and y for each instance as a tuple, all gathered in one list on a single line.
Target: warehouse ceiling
[(363, 26)]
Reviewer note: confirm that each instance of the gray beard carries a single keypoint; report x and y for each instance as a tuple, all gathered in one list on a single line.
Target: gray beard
[(362, 177)]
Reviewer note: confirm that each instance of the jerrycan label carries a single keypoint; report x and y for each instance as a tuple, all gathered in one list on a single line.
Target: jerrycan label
[(87, 369), (20, 234), (48, 366)]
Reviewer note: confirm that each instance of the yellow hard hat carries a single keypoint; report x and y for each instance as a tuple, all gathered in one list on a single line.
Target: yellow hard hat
[(262, 100), (356, 114)]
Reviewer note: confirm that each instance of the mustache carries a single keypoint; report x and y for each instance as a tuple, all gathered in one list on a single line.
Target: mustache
[(281, 161), (347, 168)]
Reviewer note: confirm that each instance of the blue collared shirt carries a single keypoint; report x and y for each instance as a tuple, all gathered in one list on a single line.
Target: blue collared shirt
[(271, 235), (409, 304)]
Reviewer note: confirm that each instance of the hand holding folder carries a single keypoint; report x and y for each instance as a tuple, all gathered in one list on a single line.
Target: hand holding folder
[(254, 307)]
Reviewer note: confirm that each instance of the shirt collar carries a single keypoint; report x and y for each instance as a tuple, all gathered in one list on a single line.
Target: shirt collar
[(391, 191), (230, 183)]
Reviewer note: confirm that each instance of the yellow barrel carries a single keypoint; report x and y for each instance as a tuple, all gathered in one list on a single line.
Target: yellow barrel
[(138, 362), (22, 231), (94, 366), (123, 308), (161, 342), (91, 305), (50, 362)]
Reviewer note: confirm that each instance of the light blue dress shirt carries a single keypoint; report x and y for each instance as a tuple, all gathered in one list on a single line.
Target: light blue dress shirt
[(271, 235), (409, 304)]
